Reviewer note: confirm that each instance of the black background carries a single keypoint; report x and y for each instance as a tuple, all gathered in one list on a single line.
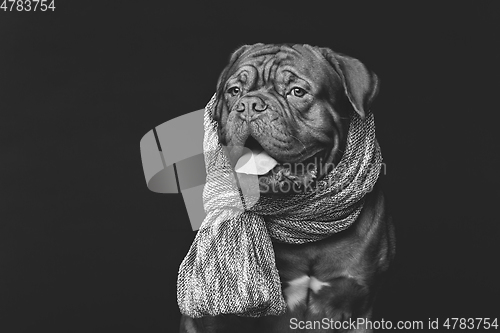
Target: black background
[(86, 247)]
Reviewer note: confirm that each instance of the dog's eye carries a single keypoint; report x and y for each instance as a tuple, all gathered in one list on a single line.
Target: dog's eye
[(233, 91), (298, 92)]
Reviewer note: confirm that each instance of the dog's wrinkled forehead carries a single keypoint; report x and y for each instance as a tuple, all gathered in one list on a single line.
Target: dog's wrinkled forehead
[(260, 64), (319, 69)]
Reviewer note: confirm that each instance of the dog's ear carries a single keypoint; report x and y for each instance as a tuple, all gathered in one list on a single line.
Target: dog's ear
[(223, 77), (361, 85)]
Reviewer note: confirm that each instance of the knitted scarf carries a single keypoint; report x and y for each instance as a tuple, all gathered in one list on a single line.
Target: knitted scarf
[(230, 267)]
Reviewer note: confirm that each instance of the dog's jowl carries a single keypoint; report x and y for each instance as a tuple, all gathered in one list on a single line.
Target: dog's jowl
[(312, 252)]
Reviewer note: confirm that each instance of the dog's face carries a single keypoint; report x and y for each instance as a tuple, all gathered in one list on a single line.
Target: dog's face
[(291, 106)]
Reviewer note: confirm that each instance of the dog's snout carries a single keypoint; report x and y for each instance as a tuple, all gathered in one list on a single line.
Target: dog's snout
[(251, 105)]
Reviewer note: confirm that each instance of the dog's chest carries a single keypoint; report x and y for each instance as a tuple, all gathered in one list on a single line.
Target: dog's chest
[(316, 278), (305, 292)]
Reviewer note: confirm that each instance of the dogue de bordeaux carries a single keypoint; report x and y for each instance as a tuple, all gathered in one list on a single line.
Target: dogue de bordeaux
[(298, 101)]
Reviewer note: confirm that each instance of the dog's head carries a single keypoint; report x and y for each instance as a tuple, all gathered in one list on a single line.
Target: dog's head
[(291, 106)]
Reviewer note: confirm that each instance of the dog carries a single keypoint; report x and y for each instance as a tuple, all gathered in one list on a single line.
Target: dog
[(294, 103)]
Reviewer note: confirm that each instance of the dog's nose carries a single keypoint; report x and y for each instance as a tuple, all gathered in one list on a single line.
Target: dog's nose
[(251, 105)]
